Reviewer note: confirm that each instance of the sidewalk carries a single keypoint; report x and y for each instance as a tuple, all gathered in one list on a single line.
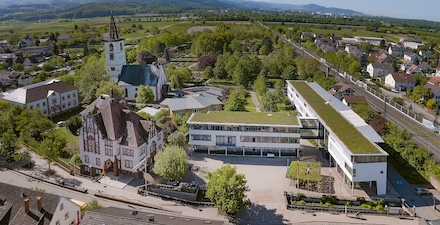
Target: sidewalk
[(255, 100), (129, 192)]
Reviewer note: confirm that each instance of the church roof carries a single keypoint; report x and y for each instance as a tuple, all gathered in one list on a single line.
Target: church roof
[(137, 75), (113, 34)]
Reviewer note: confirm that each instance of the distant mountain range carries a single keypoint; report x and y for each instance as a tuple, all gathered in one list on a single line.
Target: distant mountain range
[(215, 4)]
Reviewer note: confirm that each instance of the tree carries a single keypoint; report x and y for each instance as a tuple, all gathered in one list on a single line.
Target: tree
[(179, 76), (159, 47), (269, 102), (378, 123), (166, 55), (74, 123), (268, 43), (236, 100), (145, 57), (420, 93), (111, 89), (89, 76), (18, 67), (207, 60), (279, 89), (161, 117), (171, 163), (32, 124), (355, 67), (9, 144), (398, 100), (288, 72), (145, 95), (395, 68), (40, 77), (264, 50), (68, 79), (208, 73), (227, 189), (176, 139), (431, 104), (260, 85), (50, 148), (144, 115), (3, 66)]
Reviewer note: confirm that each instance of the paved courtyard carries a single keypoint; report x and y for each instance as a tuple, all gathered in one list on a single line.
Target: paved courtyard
[(267, 183)]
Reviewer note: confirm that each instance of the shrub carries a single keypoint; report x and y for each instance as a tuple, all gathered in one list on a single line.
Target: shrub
[(302, 202), (380, 208), (328, 204), (348, 203), (361, 200), (329, 199), (366, 206)]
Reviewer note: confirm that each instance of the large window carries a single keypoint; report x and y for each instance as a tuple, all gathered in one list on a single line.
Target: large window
[(98, 161), (197, 137), (111, 47), (86, 159), (225, 140), (128, 152), (128, 163), (108, 147), (269, 139), (112, 56), (91, 147)]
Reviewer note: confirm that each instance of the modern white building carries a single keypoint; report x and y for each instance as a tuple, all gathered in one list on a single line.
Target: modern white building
[(114, 52), (245, 133), (349, 142), (113, 137), (52, 97)]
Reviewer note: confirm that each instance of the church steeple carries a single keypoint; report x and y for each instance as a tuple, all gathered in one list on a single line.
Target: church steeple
[(113, 35)]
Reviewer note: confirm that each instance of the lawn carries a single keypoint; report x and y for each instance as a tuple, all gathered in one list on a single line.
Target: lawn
[(62, 131), (298, 170), (345, 131), (246, 118), (250, 106)]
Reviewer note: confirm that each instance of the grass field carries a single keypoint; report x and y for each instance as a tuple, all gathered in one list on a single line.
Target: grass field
[(250, 106)]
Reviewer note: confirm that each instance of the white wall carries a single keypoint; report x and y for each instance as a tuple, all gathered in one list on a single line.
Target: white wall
[(69, 208), (130, 92), (372, 172), (118, 61)]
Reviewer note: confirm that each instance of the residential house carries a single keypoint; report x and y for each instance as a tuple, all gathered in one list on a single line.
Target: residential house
[(7, 58), (397, 51), (47, 41), (413, 69), (4, 46), (21, 206), (377, 70), (423, 67), (36, 50), (414, 45), (400, 81), (33, 60), (8, 78), (306, 36), (64, 37), (350, 100), (383, 57), (119, 216), (405, 65), (26, 42), (353, 49), (114, 138), (201, 101), (425, 54), (340, 90), (318, 36), (53, 97), (433, 85), (245, 133), (363, 60), (133, 76), (403, 40), (410, 56)]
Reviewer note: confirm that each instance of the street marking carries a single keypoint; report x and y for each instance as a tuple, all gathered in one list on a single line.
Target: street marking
[(399, 182)]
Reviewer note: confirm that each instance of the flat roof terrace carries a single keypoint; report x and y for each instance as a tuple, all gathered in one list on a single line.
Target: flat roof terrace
[(351, 137), (251, 118)]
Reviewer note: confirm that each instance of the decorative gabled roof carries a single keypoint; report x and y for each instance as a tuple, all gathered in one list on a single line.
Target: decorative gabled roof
[(136, 75), (116, 120)]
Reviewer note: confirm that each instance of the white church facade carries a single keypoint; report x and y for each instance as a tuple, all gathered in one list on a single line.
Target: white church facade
[(131, 77)]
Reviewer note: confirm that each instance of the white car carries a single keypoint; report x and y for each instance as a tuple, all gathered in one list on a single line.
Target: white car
[(61, 123)]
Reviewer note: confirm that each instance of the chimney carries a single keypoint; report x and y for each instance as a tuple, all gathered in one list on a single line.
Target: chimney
[(26, 205), (39, 203)]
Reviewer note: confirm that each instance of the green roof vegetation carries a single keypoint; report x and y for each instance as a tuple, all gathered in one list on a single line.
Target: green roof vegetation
[(346, 132), (278, 118)]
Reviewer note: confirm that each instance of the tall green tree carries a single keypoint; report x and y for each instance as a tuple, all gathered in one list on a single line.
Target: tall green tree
[(260, 85), (145, 95), (208, 73), (51, 147), (176, 138), (179, 76), (269, 102), (9, 144), (74, 123), (236, 100), (364, 111), (227, 189), (111, 89), (420, 93), (89, 76), (171, 163)]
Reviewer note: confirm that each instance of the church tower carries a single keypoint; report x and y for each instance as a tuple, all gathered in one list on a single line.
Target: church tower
[(114, 52)]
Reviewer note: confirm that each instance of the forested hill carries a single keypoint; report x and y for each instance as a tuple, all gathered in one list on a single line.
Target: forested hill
[(68, 10)]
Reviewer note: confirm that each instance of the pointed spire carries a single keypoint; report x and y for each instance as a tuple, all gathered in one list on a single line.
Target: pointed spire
[(113, 35)]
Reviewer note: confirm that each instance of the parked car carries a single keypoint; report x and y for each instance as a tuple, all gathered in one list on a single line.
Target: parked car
[(421, 191), (61, 123)]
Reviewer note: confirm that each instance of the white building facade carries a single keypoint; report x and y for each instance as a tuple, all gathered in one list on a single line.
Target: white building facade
[(368, 167), (124, 143), (235, 137)]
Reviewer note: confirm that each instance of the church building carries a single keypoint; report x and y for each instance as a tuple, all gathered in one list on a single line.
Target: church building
[(131, 77)]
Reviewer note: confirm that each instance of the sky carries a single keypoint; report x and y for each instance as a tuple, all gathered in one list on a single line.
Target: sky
[(406, 9)]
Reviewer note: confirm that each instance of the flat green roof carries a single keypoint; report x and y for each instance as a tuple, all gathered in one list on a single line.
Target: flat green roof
[(278, 118), (346, 132)]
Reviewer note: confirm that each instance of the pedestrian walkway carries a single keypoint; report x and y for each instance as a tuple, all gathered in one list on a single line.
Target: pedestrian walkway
[(255, 100)]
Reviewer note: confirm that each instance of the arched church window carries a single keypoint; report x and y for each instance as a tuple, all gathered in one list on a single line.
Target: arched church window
[(111, 47), (112, 56)]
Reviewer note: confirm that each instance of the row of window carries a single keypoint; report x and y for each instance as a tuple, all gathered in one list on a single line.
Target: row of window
[(111, 48), (87, 160), (232, 139), (247, 128)]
